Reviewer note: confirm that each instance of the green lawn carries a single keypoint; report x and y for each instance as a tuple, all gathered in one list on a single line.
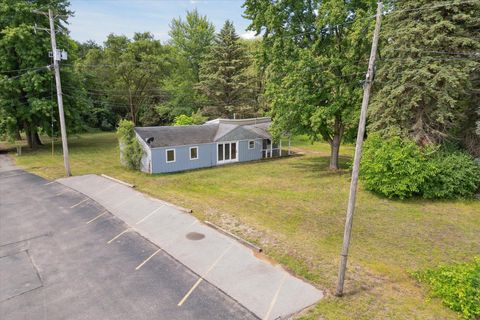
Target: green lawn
[(295, 209)]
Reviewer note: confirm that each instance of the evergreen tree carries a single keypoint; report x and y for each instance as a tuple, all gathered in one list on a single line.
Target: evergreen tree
[(424, 82), (222, 76)]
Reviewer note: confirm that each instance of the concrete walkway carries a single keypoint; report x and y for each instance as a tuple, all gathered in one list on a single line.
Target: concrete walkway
[(266, 290)]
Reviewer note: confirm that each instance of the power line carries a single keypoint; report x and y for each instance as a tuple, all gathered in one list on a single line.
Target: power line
[(24, 69)]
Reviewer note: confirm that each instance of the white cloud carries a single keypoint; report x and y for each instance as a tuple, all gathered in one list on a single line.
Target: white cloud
[(248, 35)]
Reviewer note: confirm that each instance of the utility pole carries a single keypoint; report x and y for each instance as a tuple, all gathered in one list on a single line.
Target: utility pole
[(56, 66), (358, 153)]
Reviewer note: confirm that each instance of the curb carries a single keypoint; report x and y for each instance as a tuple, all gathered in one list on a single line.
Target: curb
[(225, 232), (118, 181)]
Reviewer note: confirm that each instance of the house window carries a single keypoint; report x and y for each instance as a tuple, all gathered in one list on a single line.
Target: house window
[(227, 152), (251, 144), (170, 155), (220, 152), (193, 153)]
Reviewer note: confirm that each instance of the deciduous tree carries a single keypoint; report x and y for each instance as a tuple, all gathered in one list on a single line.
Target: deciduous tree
[(27, 90), (316, 53)]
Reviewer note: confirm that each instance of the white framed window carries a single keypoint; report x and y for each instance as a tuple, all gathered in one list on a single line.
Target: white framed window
[(251, 144), (193, 153), (227, 152), (170, 155)]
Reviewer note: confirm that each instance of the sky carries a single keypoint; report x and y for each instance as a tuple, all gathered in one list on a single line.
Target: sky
[(95, 19)]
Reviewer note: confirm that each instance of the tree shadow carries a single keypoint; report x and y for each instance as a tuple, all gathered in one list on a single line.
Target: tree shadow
[(319, 166)]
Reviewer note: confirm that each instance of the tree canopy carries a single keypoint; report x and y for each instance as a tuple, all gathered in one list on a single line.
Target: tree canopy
[(316, 53), (27, 91), (425, 80), (222, 76)]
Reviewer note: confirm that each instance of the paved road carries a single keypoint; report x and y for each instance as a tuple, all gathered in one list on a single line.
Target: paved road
[(56, 262)]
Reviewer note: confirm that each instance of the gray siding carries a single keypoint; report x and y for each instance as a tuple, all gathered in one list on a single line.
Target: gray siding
[(206, 158), (246, 154)]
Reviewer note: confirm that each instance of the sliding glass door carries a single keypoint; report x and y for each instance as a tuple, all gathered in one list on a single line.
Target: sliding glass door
[(227, 152)]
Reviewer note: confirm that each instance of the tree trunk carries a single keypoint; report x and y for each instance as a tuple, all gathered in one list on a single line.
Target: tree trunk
[(335, 143), (36, 138), (33, 139), (28, 134), (17, 135)]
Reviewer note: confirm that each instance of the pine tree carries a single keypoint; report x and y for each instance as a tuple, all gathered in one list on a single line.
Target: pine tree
[(222, 76), (424, 82)]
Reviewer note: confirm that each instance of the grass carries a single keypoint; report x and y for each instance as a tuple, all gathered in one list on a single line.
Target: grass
[(295, 209)]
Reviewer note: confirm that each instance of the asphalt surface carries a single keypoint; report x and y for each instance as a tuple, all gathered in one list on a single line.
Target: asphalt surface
[(261, 286), (56, 262)]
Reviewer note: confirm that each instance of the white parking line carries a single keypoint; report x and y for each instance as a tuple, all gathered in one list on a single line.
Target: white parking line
[(148, 215), (190, 292), (204, 275), (275, 297), (115, 238), (79, 203), (101, 214), (46, 184), (146, 260)]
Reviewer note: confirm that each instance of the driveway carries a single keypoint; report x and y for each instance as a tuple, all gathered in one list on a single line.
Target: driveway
[(61, 258)]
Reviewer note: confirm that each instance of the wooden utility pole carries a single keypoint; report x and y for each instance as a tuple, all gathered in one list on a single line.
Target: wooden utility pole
[(358, 154), (56, 65)]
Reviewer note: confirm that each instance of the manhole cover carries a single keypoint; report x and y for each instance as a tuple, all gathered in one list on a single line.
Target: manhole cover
[(195, 236)]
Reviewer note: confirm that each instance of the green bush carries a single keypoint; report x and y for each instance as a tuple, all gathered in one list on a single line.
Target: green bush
[(456, 176), (130, 149), (184, 120), (458, 286), (394, 167), (399, 168)]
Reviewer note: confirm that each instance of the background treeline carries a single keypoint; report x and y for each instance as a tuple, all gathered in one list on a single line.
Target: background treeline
[(306, 69), (198, 74)]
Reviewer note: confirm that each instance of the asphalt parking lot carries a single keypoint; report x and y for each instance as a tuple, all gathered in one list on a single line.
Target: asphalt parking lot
[(60, 259)]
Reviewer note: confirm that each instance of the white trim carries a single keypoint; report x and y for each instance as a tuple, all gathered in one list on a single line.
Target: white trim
[(229, 160), (174, 155), (190, 153), (249, 141)]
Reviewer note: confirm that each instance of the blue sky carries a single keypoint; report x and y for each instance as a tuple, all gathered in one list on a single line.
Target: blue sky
[(95, 19)]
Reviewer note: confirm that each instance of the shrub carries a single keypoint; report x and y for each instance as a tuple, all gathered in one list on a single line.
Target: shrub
[(458, 286), (131, 152), (184, 120), (399, 168), (394, 167), (456, 176)]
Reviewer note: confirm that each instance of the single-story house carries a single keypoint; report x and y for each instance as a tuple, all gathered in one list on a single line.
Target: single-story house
[(217, 142)]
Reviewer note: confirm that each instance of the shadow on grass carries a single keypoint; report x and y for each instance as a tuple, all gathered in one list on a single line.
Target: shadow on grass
[(319, 166)]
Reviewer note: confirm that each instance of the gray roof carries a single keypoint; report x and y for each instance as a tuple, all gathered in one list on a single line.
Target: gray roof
[(169, 136)]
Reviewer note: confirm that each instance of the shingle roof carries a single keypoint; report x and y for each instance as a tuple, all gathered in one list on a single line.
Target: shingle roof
[(178, 135), (168, 136)]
